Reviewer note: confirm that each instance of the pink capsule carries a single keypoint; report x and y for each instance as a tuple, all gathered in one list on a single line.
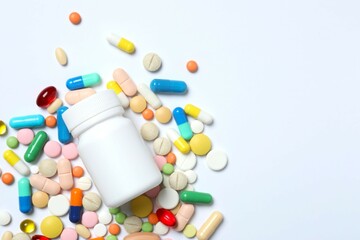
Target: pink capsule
[(46, 97), (166, 217)]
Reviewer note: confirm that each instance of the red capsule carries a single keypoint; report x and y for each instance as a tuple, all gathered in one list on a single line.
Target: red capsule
[(46, 97), (166, 217), (40, 237)]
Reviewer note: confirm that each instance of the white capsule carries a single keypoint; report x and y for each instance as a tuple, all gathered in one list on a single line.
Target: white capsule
[(149, 96)]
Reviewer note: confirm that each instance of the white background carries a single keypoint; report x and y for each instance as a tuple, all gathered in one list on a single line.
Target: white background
[(280, 77)]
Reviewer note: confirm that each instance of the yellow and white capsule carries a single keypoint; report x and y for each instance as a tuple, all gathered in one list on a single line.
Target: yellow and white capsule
[(14, 160), (119, 92), (178, 141), (121, 43), (198, 114)]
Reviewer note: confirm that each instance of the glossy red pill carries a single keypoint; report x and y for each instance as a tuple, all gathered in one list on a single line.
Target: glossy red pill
[(166, 217), (46, 97), (39, 237)]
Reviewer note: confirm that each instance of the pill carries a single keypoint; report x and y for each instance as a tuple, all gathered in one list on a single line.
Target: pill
[(141, 236), (7, 236), (166, 217), (138, 104), (198, 114), (69, 234), (196, 126), (182, 123), (27, 226), (76, 196), (100, 230), (50, 121), (89, 219), (178, 181), (48, 167), (44, 184), (191, 176), (40, 199), (83, 81), (152, 62), (7, 178), (69, 151), (75, 96), (64, 135), (5, 218), (51, 226), (167, 168), (83, 231), (192, 66), (59, 205), (54, 106), (29, 121), (24, 191), (200, 144), (209, 226), (46, 97), (119, 92), (84, 183), (147, 227), (161, 228), (186, 162), (141, 206), (21, 236), (52, 149), (121, 43), (149, 96), (216, 160), (152, 193), (160, 161), (3, 128), (149, 131), (162, 146), (189, 231), (195, 197), (114, 229), (61, 56), (36, 146), (64, 170), (114, 210), (132, 224), (111, 237), (148, 114), (171, 158), (183, 216), (168, 86), (91, 201), (163, 114), (120, 217), (14, 160), (34, 169), (105, 217), (75, 18), (178, 141), (12, 142), (167, 198), (124, 80), (77, 171), (152, 218), (25, 136)]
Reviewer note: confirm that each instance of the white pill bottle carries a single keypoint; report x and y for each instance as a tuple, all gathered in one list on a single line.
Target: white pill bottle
[(110, 146)]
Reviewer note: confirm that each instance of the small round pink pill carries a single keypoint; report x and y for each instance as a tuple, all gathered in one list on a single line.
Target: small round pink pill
[(25, 136), (52, 149), (69, 234), (70, 151), (160, 161), (89, 219), (152, 193)]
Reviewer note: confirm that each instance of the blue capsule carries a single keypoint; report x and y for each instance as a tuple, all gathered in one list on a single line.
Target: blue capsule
[(24, 190), (29, 121), (64, 135), (168, 86), (182, 123), (83, 81)]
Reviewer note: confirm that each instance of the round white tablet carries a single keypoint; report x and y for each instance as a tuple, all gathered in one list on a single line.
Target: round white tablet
[(185, 162), (5, 218), (100, 230), (105, 217), (216, 160), (167, 198), (59, 205), (191, 176), (34, 169), (84, 183), (160, 228), (197, 126)]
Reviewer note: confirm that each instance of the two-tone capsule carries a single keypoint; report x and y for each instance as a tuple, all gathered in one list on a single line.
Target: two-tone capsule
[(14, 160), (28, 121), (83, 81), (121, 43), (178, 141), (64, 134), (76, 196), (36, 146), (119, 92), (24, 191), (198, 114), (182, 123), (168, 86)]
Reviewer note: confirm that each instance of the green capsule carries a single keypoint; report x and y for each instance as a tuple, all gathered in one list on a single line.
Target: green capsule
[(195, 197), (36, 146)]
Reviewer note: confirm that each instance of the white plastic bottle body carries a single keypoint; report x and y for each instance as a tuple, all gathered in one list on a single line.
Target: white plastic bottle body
[(117, 159)]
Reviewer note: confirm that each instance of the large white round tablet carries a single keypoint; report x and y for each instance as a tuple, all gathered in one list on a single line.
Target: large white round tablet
[(216, 159), (100, 230), (105, 217), (5, 218), (167, 198), (59, 205), (185, 162)]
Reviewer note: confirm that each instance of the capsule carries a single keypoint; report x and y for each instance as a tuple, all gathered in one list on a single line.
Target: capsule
[(29, 121), (195, 197), (24, 190), (76, 196), (121, 43), (119, 92), (182, 123), (209, 226), (36, 146), (149, 96), (64, 169), (168, 86), (44, 184), (14, 160), (198, 114), (166, 217), (83, 81), (64, 135), (178, 141)]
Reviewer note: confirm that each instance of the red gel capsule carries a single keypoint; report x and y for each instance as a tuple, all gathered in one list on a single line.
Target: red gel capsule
[(166, 217), (40, 237), (46, 97)]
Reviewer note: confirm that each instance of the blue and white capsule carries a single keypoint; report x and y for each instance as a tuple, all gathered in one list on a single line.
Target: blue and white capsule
[(168, 86), (182, 123), (64, 134), (24, 191), (29, 121), (83, 81)]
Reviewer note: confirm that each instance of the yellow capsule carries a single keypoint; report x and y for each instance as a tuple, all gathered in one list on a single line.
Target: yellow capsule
[(113, 85), (209, 226), (3, 128), (178, 141), (198, 114), (121, 43), (14, 160)]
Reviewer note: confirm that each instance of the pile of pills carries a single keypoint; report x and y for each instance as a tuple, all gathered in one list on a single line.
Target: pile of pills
[(50, 179)]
